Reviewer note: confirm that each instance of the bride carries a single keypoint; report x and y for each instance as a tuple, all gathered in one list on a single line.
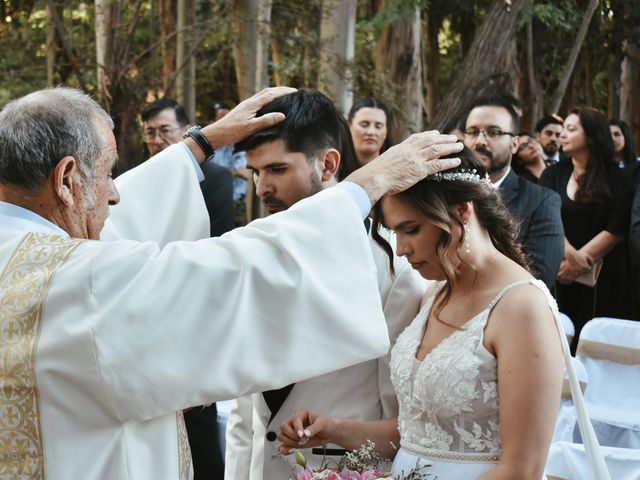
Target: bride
[(478, 373)]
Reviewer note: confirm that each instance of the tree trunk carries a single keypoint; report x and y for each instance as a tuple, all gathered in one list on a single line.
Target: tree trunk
[(167, 16), (185, 58), (536, 92), (573, 56), (479, 64), (53, 44), (337, 49), (397, 57), (630, 90), (252, 20), (432, 64), (103, 31), (67, 48), (507, 69), (276, 59)]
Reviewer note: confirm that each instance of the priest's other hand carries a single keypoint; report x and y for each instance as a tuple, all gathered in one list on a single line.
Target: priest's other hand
[(405, 164)]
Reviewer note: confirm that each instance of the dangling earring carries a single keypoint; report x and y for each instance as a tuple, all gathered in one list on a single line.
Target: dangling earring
[(467, 229)]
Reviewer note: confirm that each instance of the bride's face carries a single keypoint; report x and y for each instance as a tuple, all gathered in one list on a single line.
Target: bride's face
[(417, 237)]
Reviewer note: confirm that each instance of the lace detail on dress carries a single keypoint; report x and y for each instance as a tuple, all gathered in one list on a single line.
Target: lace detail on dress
[(450, 402)]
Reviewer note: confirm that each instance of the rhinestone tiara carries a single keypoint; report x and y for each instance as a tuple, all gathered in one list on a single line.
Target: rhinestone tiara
[(460, 176)]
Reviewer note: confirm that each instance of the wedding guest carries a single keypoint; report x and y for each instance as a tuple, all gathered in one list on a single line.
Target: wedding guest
[(369, 120), (491, 130), (634, 242), (528, 162), (478, 373), (596, 202), (624, 150)]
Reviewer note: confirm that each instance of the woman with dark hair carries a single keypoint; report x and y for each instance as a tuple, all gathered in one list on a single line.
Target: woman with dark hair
[(478, 373), (624, 149), (369, 120), (596, 202)]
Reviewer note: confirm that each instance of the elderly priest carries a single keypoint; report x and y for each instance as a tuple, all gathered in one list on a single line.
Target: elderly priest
[(104, 343)]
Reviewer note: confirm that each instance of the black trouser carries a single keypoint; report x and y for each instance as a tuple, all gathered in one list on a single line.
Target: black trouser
[(202, 429)]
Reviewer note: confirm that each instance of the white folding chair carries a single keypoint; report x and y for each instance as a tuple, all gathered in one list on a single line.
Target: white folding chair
[(609, 350), (569, 328), (566, 420), (568, 461)]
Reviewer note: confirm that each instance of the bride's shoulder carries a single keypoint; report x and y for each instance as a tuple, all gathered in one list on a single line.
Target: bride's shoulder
[(523, 306)]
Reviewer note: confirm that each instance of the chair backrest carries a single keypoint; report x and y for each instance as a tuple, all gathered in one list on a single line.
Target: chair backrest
[(609, 349), (566, 419), (568, 326), (569, 461)]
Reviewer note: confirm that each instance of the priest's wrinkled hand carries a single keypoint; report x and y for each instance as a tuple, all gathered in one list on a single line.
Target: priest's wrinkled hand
[(405, 164), (305, 429), (241, 122)]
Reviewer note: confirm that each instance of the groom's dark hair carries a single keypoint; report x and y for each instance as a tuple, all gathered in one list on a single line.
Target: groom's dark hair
[(311, 124)]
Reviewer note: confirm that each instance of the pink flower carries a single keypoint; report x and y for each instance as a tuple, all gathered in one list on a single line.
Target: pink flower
[(306, 474), (332, 476), (347, 474)]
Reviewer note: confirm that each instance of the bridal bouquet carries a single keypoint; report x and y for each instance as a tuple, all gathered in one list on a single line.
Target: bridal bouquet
[(361, 464)]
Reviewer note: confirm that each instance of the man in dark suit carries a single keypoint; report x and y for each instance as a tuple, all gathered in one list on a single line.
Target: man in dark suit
[(165, 122), (491, 131), (548, 131)]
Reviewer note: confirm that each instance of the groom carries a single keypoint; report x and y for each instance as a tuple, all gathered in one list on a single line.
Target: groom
[(290, 162)]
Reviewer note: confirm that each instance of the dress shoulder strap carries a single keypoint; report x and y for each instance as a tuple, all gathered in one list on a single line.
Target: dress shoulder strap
[(502, 292)]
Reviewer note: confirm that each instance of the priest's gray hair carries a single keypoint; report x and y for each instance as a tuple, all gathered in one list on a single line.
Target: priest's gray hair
[(40, 129)]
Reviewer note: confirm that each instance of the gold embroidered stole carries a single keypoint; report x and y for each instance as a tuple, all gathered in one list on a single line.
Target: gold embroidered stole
[(184, 450), (24, 285)]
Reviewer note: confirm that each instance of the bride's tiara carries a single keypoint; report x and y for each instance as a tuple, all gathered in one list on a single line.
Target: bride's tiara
[(460, 176)]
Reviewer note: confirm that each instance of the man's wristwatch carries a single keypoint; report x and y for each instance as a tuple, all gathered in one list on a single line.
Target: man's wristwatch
[(195, 133)]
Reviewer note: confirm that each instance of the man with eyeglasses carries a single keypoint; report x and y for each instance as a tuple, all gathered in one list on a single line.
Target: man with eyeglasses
[(165, 123), (491, 132)]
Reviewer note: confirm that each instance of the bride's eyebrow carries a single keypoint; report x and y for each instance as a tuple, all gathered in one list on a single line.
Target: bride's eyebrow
[(406, 223)]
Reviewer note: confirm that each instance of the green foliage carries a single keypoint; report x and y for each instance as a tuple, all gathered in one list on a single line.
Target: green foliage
[(136, 60)]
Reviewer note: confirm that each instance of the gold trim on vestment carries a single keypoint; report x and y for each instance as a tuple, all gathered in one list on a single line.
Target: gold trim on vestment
[(24, 285), (606, 351), (453, 456), (184, 450)]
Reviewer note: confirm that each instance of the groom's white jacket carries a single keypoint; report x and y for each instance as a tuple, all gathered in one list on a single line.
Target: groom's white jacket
[(362, 392)]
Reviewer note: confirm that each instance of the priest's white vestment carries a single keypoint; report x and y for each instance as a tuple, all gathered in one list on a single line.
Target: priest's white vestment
[(101, 343)]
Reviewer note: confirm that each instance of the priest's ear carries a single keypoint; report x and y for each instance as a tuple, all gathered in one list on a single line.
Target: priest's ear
[(65, 180)]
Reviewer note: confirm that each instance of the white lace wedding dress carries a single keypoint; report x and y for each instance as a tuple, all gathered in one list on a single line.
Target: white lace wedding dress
[(449, 401)]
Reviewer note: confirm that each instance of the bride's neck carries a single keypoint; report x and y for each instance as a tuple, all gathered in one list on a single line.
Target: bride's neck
[(477, 265)]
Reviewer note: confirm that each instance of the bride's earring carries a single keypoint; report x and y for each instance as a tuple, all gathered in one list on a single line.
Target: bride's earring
[(467, 229)]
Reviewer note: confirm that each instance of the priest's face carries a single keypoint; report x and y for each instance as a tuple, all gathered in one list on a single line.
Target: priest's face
[(95, 192), (283, 178)]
